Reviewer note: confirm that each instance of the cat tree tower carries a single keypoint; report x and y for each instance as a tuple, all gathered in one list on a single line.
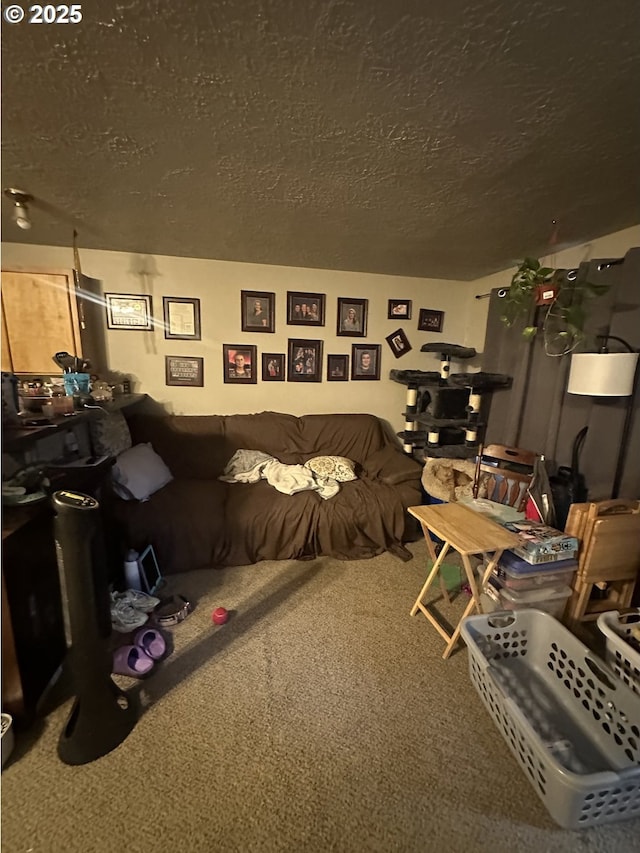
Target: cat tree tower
[(443, 415)]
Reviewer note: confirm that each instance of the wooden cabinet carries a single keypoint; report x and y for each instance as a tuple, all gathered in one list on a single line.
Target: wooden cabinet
[(44, 313)]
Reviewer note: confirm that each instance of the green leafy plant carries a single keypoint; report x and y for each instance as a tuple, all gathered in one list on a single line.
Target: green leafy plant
[(521, 294), (568, 310)]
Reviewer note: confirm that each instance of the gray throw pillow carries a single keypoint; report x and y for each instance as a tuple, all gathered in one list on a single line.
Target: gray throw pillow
[(138, 473)]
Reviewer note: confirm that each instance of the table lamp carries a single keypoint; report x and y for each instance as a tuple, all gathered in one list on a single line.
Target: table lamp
[(608, 374)]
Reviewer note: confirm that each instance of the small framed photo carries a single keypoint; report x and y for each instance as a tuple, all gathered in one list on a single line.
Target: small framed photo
[(305, 309), (129, 311), (184, 370), (273, 367), (352, 317), (181, 318), (240, 363), (399, 308), (258, 311), (337, 368), (304, 361), (365, 361), (398, 342), (430, 321)]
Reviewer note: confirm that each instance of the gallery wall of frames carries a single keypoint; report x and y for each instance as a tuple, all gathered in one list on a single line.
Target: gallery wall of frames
[(245, 363)]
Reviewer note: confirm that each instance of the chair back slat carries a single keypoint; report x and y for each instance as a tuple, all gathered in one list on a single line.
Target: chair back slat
[(508, 473)]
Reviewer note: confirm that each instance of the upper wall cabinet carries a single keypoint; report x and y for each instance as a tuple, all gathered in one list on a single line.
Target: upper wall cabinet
[(44, 313)]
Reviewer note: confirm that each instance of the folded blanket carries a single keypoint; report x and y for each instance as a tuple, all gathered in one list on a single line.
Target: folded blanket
[(249, 466)]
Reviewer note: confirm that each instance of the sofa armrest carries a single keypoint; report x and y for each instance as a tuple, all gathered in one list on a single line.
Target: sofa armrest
[(392, 466)]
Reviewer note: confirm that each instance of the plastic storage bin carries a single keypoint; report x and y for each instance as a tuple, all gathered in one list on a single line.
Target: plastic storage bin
[(530, 580), (572, 725), (551, 599), (621, 656), (550, 579)]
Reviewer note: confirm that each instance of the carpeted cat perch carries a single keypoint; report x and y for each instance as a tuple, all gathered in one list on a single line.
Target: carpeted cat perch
[(451, 479)]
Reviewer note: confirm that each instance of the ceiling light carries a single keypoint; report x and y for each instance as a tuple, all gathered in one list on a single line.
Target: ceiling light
[(20, 200)]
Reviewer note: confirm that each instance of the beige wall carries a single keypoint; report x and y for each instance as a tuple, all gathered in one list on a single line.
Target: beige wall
[(218, 284)]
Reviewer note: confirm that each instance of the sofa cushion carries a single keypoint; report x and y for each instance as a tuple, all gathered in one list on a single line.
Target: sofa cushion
[(191, 446), (264, 524), (355, 436), (139, 472), (184, 521), (336, 467)]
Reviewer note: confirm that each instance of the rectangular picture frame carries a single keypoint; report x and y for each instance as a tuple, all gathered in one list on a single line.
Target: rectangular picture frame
[(430, 320), (337, 368), (129, 311), (236, 371), (273, 367), (258, 311), (304, 360), (362, 367), (399, 309), (184, 370), (305, 309), (398, 343), (352, 317), (181, 318)]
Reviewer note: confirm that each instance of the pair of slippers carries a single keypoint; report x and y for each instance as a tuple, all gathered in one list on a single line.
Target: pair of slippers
[(138, 659)]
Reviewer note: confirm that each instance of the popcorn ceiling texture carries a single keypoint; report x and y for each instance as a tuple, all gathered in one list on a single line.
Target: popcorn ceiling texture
[(433, 139)]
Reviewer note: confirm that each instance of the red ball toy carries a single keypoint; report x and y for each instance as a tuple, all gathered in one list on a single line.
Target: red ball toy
[(220, 615)]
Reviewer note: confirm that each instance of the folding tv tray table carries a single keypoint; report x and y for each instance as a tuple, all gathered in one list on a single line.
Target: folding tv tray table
[(468, 532)]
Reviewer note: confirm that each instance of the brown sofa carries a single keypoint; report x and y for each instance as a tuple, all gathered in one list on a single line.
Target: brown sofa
[(198, 521)]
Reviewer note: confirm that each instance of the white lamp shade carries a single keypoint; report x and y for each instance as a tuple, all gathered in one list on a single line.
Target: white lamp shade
[(603, 374)]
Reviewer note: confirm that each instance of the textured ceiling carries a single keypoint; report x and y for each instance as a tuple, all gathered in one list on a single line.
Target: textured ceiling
[(436, 139)]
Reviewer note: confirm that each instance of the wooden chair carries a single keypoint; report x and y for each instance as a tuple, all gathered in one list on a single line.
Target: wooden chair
[(507, 472)]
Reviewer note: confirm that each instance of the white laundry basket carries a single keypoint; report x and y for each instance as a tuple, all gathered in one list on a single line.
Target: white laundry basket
[(621, 656), (571, 724)]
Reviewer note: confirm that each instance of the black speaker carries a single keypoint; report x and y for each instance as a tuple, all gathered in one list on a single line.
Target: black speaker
[(102, 714)]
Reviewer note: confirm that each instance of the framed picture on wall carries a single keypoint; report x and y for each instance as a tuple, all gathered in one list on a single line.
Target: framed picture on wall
[(365, 361), (258, 311), (273, 367), (240, 363), (430, 321), (129, 311), (181, 318), (304, 360), (352, 317), (399, 308), (337, 368), (184, 370), (305, 309), (398, 342)]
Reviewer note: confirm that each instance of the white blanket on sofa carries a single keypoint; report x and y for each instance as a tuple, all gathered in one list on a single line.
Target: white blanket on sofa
[(249, 466)]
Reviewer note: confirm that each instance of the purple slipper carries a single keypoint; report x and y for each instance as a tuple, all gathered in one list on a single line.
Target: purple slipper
[(130, 660), (151, 642)]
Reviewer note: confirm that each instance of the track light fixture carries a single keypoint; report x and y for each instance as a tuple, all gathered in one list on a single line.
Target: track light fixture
[(20, 201)]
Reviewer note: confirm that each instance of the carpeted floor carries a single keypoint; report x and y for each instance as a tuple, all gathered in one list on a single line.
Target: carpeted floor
[(320, 717)]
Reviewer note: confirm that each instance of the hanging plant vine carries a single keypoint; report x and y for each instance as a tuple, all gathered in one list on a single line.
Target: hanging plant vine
[(564, 317)]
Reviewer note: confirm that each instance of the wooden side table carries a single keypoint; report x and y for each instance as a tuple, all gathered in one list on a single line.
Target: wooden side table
[(467, 532)]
